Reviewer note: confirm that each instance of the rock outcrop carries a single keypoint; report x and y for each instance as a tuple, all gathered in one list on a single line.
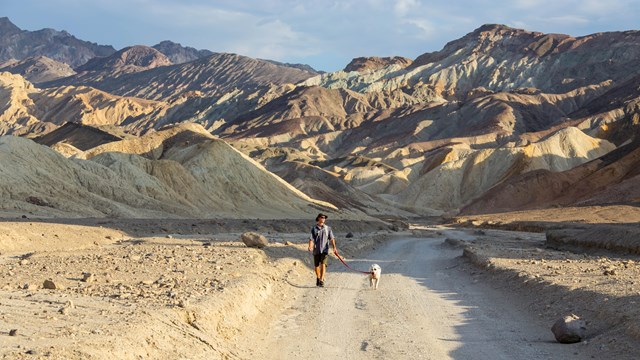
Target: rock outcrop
[(368, 64), (179, 54)]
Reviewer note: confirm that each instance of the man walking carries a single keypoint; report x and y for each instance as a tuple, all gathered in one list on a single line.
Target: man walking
[(321, 234)]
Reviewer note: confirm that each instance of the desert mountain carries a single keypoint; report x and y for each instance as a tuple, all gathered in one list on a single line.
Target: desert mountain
[(179, 54), (389, 135), (34, 111), (28, 110), (294, 167), (128, 60), (500, 58), (38, 69), (61, 46), (391, 119), (216, 75), (182, 171), (611, 179), (469, 173), (401, 117)]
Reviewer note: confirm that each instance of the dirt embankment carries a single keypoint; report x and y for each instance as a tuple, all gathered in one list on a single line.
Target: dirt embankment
[(623, 239)]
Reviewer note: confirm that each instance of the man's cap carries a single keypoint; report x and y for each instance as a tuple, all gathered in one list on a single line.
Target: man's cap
[(321, 215)]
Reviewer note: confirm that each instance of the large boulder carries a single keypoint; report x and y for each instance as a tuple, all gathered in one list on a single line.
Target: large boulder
[(569, 330), (252, 239)]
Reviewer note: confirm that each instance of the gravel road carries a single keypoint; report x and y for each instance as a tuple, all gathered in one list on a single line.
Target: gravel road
[(426, 307)]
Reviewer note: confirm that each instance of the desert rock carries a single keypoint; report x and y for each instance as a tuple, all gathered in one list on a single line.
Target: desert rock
[(51, 285), (570, 329), (252, 239)]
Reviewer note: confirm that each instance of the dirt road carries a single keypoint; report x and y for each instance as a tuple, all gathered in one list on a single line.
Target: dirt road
[(426, 308)]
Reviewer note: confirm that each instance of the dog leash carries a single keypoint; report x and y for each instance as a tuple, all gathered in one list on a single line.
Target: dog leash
[(349, 267)]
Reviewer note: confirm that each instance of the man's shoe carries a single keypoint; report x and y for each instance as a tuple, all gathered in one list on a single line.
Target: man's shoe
[(321, 283), (318, 282)]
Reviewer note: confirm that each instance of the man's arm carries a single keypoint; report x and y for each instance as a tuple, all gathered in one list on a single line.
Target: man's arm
[(310, 244), (333, 240)]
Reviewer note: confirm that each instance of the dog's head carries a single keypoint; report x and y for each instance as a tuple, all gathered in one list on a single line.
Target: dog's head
[(375, 268)]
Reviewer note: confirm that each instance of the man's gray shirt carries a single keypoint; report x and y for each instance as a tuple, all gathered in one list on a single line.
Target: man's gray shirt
[(321, 237)]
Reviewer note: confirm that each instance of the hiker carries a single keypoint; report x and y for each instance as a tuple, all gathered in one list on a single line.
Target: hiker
[(319, 244)]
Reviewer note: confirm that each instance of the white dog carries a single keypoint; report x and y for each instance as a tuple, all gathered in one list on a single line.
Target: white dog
[(374, 275)]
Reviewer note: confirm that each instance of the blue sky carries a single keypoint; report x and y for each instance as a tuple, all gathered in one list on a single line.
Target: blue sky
[(324, 34)]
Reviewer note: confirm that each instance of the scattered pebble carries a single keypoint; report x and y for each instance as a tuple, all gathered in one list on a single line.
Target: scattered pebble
[(49, 284)]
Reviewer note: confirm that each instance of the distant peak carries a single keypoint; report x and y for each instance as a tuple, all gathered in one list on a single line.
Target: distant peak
[(139, 56), (7, 27), (5, 20), (500, 29), (137, 48), (489, 31), (137, 51), (168, 42), (373, 63), (492, 27)]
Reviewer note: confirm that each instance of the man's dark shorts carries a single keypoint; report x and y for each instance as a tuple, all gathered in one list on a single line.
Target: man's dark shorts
[(321, 258)]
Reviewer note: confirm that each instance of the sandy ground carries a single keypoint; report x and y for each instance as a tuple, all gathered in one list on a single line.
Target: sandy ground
[(196, 292)]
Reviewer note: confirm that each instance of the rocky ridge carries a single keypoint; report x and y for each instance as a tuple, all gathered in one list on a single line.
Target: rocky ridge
[(61, 46)]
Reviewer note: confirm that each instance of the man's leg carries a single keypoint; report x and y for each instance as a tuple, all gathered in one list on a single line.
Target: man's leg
[(323, 271), (317, 263), (318, 270)]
